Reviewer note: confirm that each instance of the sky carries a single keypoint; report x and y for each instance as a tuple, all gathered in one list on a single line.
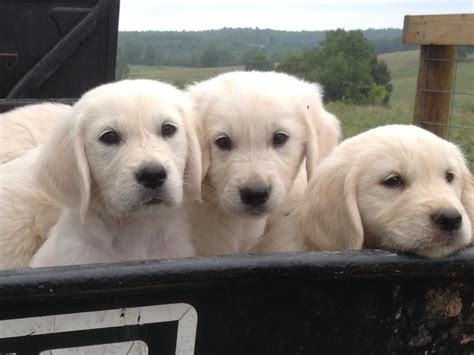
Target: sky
[(299, 15)]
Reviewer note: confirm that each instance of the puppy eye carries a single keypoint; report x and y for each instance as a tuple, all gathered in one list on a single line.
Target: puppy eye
[(279, 138), (393, 181), (167, 130), (224, 143), (449, 176), (109, 137)]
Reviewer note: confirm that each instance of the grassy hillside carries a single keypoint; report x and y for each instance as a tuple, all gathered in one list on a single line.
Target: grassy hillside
[(355, 119), (404, 69)]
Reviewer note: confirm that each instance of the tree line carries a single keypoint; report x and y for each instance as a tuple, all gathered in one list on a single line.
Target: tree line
[(231, 47), (344, 62)]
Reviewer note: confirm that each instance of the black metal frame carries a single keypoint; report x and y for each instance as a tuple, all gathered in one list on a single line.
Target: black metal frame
[(369, 302)]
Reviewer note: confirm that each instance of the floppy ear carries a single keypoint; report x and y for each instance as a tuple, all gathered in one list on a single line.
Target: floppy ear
[(62, 170), (329, 216), (328, 133), (324, 131), (205, 150), (193, 169), (311, 149), (198, 111), (467, 195)]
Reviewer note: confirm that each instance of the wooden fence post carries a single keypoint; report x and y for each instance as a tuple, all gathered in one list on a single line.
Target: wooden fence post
[(438, 36), (434, 88)]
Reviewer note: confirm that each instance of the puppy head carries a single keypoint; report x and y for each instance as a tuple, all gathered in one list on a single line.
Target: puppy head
[(124, 147), (411, 198), (403, 189), (256, 129)]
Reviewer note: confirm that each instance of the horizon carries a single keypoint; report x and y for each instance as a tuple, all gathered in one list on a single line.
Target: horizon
[(262, 29)]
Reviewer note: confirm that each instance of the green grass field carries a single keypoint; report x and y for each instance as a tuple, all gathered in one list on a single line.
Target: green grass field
[(177, 76), (403, 67)]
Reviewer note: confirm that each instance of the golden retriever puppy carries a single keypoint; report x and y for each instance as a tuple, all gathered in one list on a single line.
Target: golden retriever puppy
[(26, 213), (27, 127), (118, 166), (393, 187), (256, 130)]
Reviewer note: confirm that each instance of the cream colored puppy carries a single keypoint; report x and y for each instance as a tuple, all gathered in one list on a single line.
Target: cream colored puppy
[(393, 187), (256, 129), (26, 213), (118, 166), (27, 127)]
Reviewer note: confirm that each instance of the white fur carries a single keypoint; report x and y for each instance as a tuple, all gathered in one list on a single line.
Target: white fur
[(108, 216), (26, 213), (250, 107), (347, 206), (27, 127)]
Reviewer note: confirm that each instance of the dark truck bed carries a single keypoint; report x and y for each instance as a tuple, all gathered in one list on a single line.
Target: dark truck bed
[(369, 302)]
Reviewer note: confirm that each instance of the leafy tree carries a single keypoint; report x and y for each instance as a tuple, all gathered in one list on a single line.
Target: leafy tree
[(210, 57), (121, 67), (345, 63), (382, 79), (226, 56), (133, 52), (255, 58), (149, 58)]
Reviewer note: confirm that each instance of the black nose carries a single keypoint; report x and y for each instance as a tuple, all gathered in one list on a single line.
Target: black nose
[(448, 219), (151, 176), (254, 195)]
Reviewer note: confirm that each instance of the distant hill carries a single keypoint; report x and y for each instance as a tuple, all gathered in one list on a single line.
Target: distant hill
[(226, 47)]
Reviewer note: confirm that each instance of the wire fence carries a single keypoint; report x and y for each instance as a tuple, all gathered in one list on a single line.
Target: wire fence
[(459, 125), (461, 120)]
